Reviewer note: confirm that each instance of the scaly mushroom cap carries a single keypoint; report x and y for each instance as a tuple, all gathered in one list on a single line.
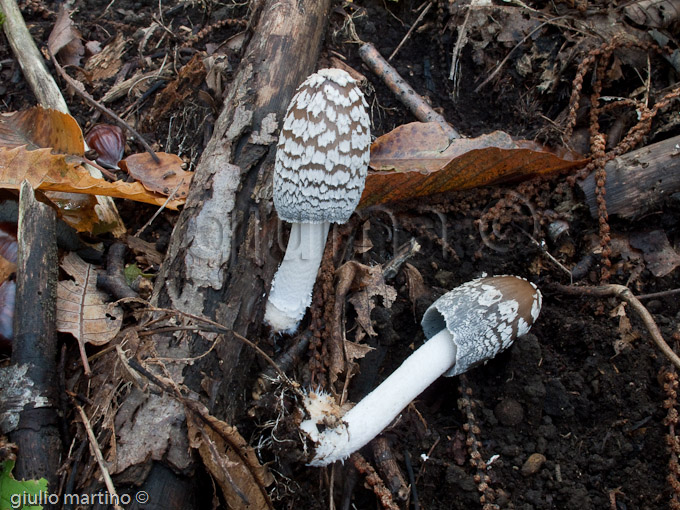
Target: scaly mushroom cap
[(323, 152), (484, 316)]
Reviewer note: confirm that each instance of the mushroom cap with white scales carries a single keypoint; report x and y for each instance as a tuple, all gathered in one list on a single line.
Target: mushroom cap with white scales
[(323, 151), (483, 316), (319, 174)]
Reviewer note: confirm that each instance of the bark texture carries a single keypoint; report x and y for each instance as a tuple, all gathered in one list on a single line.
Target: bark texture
[(637, 182), (223, 251)]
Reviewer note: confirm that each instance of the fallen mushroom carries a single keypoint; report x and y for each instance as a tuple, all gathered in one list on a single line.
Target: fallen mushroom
[(465, 327), (319, 173)]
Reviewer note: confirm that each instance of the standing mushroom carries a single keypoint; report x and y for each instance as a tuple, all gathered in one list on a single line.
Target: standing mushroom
[(464, 327), (319, 173)]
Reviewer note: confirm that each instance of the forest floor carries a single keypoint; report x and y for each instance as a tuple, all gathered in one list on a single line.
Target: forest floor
[(572, 416)]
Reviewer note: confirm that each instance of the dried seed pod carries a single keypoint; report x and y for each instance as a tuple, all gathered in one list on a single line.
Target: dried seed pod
[(109, 142)]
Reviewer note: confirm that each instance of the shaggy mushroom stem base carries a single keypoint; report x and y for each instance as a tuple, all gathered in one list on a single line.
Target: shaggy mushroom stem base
[(377, 409), (291, 291)]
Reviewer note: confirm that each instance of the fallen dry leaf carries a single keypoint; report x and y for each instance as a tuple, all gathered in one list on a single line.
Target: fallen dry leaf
[(355, 351), (660, 257), (164, 177), (229, 459), (373, 285), (41, 128), (416, 284), (57, 172), (418, 160), (46, 148), (82, 309), (627, 335), (65, 42)]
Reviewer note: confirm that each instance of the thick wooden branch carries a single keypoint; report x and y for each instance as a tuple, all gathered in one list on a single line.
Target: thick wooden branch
[(219, 264), (639, 181), (35, 339), (32, 64)]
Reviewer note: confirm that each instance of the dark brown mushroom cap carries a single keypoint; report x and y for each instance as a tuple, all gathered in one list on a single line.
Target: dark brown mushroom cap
[(323, 151), (484, 316)]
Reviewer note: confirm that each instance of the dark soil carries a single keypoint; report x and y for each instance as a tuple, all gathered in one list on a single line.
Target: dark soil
[(581, 389)]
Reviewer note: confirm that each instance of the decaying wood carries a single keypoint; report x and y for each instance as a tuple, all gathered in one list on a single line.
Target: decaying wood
[(639, 181), (222, 254), (389, 468), (35, 339)]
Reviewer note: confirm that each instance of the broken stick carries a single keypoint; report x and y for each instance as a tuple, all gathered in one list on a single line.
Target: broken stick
[(411, 99)]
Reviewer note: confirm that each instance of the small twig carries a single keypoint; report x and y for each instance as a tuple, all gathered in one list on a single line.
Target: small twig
[(216, 327), (412, 480), (405, 252), (94, 103), (31, 61), (94, 446), (160, 209), (412, 100), (623, 292), (455, 55), (410, 31), (664, 293), (544, 250)]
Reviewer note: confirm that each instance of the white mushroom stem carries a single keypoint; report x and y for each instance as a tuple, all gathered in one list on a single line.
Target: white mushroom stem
[(377, 409), (291, 291)]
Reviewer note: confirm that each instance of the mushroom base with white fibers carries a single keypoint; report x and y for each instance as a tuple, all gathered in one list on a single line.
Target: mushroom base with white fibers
[(291, 291), (377, 409)]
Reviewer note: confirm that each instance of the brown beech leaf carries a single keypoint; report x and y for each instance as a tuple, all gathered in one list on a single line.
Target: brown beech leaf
[(163, 177), (81, 307), (232, 463), (418, 160), (65, 41)]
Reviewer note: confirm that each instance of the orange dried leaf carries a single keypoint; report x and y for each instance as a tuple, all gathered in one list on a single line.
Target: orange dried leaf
[(418, 160), (58, 172), (163, 177), (42, 128)]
